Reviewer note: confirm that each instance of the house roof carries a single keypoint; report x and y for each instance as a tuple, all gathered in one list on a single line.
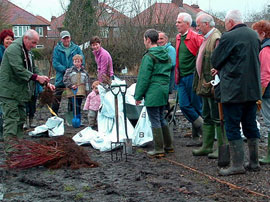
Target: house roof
[(19, 16), (43, 19), (110, 17), (162, 13), (56, 25)]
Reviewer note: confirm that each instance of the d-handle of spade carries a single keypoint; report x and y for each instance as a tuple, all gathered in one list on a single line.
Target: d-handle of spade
[(115, 91)]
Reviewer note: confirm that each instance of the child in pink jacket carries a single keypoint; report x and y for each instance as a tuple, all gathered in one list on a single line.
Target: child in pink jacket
[(92, 104)]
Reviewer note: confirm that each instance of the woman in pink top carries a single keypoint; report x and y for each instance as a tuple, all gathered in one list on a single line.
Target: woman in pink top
[(92, 104), (263, 29), (103, 60)]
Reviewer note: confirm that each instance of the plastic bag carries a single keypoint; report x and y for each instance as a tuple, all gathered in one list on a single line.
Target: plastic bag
[(143, 132), (54, 126), (85, 136)]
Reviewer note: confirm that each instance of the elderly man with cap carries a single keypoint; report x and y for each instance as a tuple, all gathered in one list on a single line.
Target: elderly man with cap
[(62, 59)]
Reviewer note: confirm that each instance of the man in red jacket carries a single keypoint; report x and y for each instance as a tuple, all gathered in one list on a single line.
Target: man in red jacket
[(187, 46)]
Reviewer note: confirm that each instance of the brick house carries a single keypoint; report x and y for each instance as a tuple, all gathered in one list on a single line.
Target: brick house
[(21, 21), (163, 15)]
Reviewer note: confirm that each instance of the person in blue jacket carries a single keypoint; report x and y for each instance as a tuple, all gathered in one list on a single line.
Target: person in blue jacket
[(163, 40), (62, 60)]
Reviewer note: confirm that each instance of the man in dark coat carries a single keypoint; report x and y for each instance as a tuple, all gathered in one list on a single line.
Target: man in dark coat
[(237, 60)]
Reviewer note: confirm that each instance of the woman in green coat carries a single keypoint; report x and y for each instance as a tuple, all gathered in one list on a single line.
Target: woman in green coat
[(153, 85)]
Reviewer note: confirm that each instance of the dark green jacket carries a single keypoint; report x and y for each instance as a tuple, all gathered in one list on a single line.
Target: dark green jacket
[(15, 73), (237, 59), (154, 77)]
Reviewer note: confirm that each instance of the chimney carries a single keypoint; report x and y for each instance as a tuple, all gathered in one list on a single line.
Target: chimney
[(179, 3), (195, 6), (53, 18)]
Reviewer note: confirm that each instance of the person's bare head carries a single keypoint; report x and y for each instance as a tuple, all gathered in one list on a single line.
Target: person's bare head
[(205, 23), (183, 22), (30, 39), (233, 18), (162, 38), (150, 38)]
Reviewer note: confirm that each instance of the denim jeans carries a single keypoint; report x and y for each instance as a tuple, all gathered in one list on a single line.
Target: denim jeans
[(244, 113), (156, 116), (190, 103)]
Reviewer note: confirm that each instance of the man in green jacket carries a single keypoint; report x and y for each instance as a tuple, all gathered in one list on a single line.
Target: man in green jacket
[(153, 85), (237, 60), (15, 74)]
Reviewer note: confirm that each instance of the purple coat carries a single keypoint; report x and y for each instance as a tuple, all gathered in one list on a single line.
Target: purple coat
[(104, 63)]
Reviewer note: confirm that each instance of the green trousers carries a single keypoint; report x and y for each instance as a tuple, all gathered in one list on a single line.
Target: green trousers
[(14, 116)]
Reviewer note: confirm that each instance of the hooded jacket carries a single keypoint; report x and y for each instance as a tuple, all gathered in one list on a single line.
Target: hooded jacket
[(154, 77), (61, 62)]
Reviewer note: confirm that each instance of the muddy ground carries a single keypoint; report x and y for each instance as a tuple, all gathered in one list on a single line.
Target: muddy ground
[(177, 177)]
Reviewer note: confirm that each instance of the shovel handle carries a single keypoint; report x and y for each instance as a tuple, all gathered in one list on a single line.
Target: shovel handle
[(75, 92), (220, 111), (221, 117)]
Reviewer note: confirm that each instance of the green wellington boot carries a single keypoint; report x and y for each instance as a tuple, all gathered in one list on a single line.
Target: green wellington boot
[(266, 159), (253, 164), (158, 143), (167, 137), (214, 155), (237, 159), (208, 141)]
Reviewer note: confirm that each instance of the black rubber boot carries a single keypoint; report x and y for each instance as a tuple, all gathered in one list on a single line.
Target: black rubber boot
[(237, 159), (253, 164), (196, 133)]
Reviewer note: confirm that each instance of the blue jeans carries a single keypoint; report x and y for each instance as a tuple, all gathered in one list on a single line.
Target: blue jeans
[(156, 116), (190, 103), (244, 113)]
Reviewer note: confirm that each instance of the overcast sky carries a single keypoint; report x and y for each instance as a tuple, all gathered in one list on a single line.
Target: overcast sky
[(48, 8)]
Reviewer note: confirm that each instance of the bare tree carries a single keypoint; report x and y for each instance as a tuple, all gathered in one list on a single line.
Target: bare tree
[(261, 15), (4, 15)]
